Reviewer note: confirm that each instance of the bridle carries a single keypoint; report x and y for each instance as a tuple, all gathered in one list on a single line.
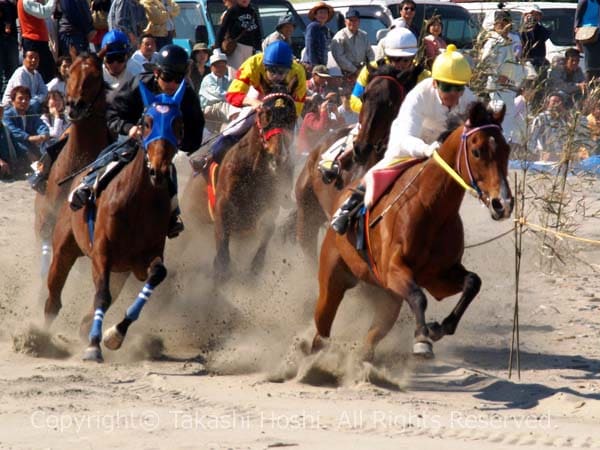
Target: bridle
[(264, 132)]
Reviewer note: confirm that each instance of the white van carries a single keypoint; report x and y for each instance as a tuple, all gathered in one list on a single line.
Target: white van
[(557, 17)]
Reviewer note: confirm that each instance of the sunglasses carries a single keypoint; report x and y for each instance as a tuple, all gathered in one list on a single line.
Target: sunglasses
[(409, 8), (115, 58), (277, 70), (449, 87), (171, 77), (400, 59)]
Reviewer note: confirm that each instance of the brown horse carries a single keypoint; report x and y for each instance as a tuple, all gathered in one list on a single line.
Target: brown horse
[(131, 223), (315, 199), (253, 180), (87, 136), (418, 242)]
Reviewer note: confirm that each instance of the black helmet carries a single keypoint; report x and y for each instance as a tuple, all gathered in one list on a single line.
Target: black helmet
[(172, 59)]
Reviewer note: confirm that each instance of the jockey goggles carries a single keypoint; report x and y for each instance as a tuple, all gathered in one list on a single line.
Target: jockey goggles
[(395, 59), (117, 57), (277, 70), (449, 87), (170, 77)]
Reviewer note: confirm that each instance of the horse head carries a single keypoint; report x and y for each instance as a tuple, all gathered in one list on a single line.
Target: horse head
[(482, 158), (85, 87), (276, 119), (162, 130), (381, 101)]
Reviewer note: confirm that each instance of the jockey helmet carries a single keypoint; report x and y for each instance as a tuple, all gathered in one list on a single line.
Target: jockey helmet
[(400, 42), (172, 59), (116, 42), (451, 67), (279, 53)]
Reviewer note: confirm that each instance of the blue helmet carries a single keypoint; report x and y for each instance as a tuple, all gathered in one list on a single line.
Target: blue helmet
[(116, 42), (279, 53)]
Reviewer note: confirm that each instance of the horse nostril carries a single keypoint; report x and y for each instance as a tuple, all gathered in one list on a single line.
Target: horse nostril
[(497, 205)]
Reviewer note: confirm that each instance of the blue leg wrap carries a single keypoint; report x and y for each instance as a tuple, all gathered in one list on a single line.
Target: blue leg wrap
[(133, 312), (96, 331)]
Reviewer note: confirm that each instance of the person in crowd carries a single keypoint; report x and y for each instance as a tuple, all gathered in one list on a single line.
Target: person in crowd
[(568, 78), (319, 82), (433, 40), (534, 36), (227, 4), (53, 115), (129, 17), (213, 90), (321, 117), (27, 130), (100, 9), (408, 10), (350, 46), (198, 67), (421, 119), (32, 16), (317, 37), (144, 57), (242, 25), (161, 15), (123, 117), (283, 31), (28, 76), (345, 110), (59, 82), (114, 69), (75, 26), (593, 123), (9, 46), (8, 154), (549, 129), (588, 14)]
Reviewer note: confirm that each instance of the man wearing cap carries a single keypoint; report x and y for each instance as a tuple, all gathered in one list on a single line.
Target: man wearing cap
[(123, 116), (350, 46), (319, 82), (534, 36), (318, 37), (568, 78), (114, 69), (144, 57), (283, 31), (213, 90), (422, 117)]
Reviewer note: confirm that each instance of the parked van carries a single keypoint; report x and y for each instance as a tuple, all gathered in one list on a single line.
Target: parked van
[(198, 21), (557, 17)]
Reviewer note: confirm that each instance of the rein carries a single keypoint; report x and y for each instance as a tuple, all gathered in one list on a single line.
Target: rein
[(266, 135)]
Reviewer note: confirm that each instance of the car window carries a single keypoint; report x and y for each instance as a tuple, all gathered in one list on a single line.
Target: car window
[(560, 23), (371, 25), (188, 19), (458, 26)]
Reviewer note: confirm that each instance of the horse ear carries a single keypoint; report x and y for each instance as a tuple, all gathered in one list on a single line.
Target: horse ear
[(178, 97), (102, 53), (292, 85), (497, 110), (478, 114), (72, 52), (263, 84), (147, 96)]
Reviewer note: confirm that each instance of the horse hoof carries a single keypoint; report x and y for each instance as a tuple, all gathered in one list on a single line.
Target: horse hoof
[(112, 338), (93, 354), (423, 350)]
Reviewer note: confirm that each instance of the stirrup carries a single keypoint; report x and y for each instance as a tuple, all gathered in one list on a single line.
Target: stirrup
[(330, 171), (175, 227), (81, 196), (201, 164), (38, 182)]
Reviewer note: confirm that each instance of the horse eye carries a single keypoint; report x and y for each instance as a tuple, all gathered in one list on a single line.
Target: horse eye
[(476, 153)]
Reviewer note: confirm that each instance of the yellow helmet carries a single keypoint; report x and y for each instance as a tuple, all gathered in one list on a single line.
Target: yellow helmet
[(451, 67)]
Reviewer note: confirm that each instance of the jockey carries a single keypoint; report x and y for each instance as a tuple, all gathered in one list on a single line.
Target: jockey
[(400, 48), (421, 119), (125, 111), (275, 66)]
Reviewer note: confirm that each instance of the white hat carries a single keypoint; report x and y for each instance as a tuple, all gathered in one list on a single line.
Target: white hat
[(217, 55), (400, 42), (533, 8)]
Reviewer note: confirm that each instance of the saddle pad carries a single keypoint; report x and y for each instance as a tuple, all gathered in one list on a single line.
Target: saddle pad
[(378, 180)]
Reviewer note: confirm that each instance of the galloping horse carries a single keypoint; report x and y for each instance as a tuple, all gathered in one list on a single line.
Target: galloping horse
[(253, 179), (418, 242), (88, 135), (131, 223), (315, 199)]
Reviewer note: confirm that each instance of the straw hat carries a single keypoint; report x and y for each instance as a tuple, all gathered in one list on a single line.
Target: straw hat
[(320, 5)]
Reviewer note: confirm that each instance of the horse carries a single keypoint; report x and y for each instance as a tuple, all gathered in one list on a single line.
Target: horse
[(131, 224), (87, 136), (253, 180), (416, 240), (315, 199)]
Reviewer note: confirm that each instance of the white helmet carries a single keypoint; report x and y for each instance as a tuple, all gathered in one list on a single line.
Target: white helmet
[(400, 42)]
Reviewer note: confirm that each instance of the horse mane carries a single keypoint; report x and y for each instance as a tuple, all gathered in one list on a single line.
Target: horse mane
[(477, 114)]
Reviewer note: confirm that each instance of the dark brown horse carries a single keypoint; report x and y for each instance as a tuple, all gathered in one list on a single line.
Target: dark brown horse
[(253, 180), (418, 242), (315, 199), (87, 136), (131, 223)]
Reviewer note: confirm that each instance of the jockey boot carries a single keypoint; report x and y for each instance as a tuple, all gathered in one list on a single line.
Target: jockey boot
[(330, 170), (202, 163), (80, 197), (38, 180), (342, 217), (175, 226)]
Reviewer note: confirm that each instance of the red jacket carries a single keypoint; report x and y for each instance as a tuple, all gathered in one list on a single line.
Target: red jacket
[(314, 127), (31, 27)]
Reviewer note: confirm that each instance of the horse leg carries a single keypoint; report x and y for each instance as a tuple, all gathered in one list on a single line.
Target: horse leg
[(117, 282), (403, 286), (335, 279), (222, 258), (454, 280), (114, 336), (102, 301), (386, 314), (64, 256), (310, 216), (46, 258), (258, 262)]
